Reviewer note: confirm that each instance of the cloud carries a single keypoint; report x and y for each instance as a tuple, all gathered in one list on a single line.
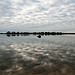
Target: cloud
[(37, 12)]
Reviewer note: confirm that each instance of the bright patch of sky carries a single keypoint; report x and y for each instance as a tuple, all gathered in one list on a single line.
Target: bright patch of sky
[(37, 15)]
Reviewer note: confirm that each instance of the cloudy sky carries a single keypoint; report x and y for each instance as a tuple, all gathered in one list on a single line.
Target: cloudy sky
[(37, 15)]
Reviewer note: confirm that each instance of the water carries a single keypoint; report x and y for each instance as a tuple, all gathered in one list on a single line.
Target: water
[(30, 55)]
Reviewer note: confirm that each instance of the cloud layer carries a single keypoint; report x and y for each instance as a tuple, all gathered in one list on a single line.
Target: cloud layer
[(52, 14)]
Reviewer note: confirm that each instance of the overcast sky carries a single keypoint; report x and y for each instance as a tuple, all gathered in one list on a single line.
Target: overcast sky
[(37, 15)]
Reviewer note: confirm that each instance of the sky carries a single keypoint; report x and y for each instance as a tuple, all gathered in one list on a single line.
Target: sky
[(37, 15)]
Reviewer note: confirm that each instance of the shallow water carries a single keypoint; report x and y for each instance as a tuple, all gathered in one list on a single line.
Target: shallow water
[(29, 55)]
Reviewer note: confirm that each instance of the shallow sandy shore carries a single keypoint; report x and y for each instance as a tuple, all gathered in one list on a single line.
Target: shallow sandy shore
[(42, 70)]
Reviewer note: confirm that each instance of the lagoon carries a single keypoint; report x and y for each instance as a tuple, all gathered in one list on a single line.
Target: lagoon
[(30, 55)]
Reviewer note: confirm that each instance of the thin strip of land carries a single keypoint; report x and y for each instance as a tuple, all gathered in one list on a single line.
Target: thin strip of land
[(39, 33)]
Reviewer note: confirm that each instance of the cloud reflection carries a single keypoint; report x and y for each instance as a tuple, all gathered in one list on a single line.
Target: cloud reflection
[(23, 56)]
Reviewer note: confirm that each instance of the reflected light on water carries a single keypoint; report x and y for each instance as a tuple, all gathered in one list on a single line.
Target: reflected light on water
[(32, 56)]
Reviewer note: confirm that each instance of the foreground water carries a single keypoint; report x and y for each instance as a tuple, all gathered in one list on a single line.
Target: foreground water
[(29, 55)]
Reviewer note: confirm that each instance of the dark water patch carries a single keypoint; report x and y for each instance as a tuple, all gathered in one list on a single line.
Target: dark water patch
[(6, 59)]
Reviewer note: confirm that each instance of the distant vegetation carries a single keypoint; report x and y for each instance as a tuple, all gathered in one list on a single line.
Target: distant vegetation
[(39, 34), (35, 33)]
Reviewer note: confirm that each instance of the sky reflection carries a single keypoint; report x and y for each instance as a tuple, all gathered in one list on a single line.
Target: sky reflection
[(17, 55)]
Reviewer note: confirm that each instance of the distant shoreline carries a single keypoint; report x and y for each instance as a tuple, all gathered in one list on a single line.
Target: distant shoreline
[(39, 33)]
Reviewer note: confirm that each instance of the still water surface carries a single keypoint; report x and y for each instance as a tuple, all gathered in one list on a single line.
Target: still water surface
[(29, 55)]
